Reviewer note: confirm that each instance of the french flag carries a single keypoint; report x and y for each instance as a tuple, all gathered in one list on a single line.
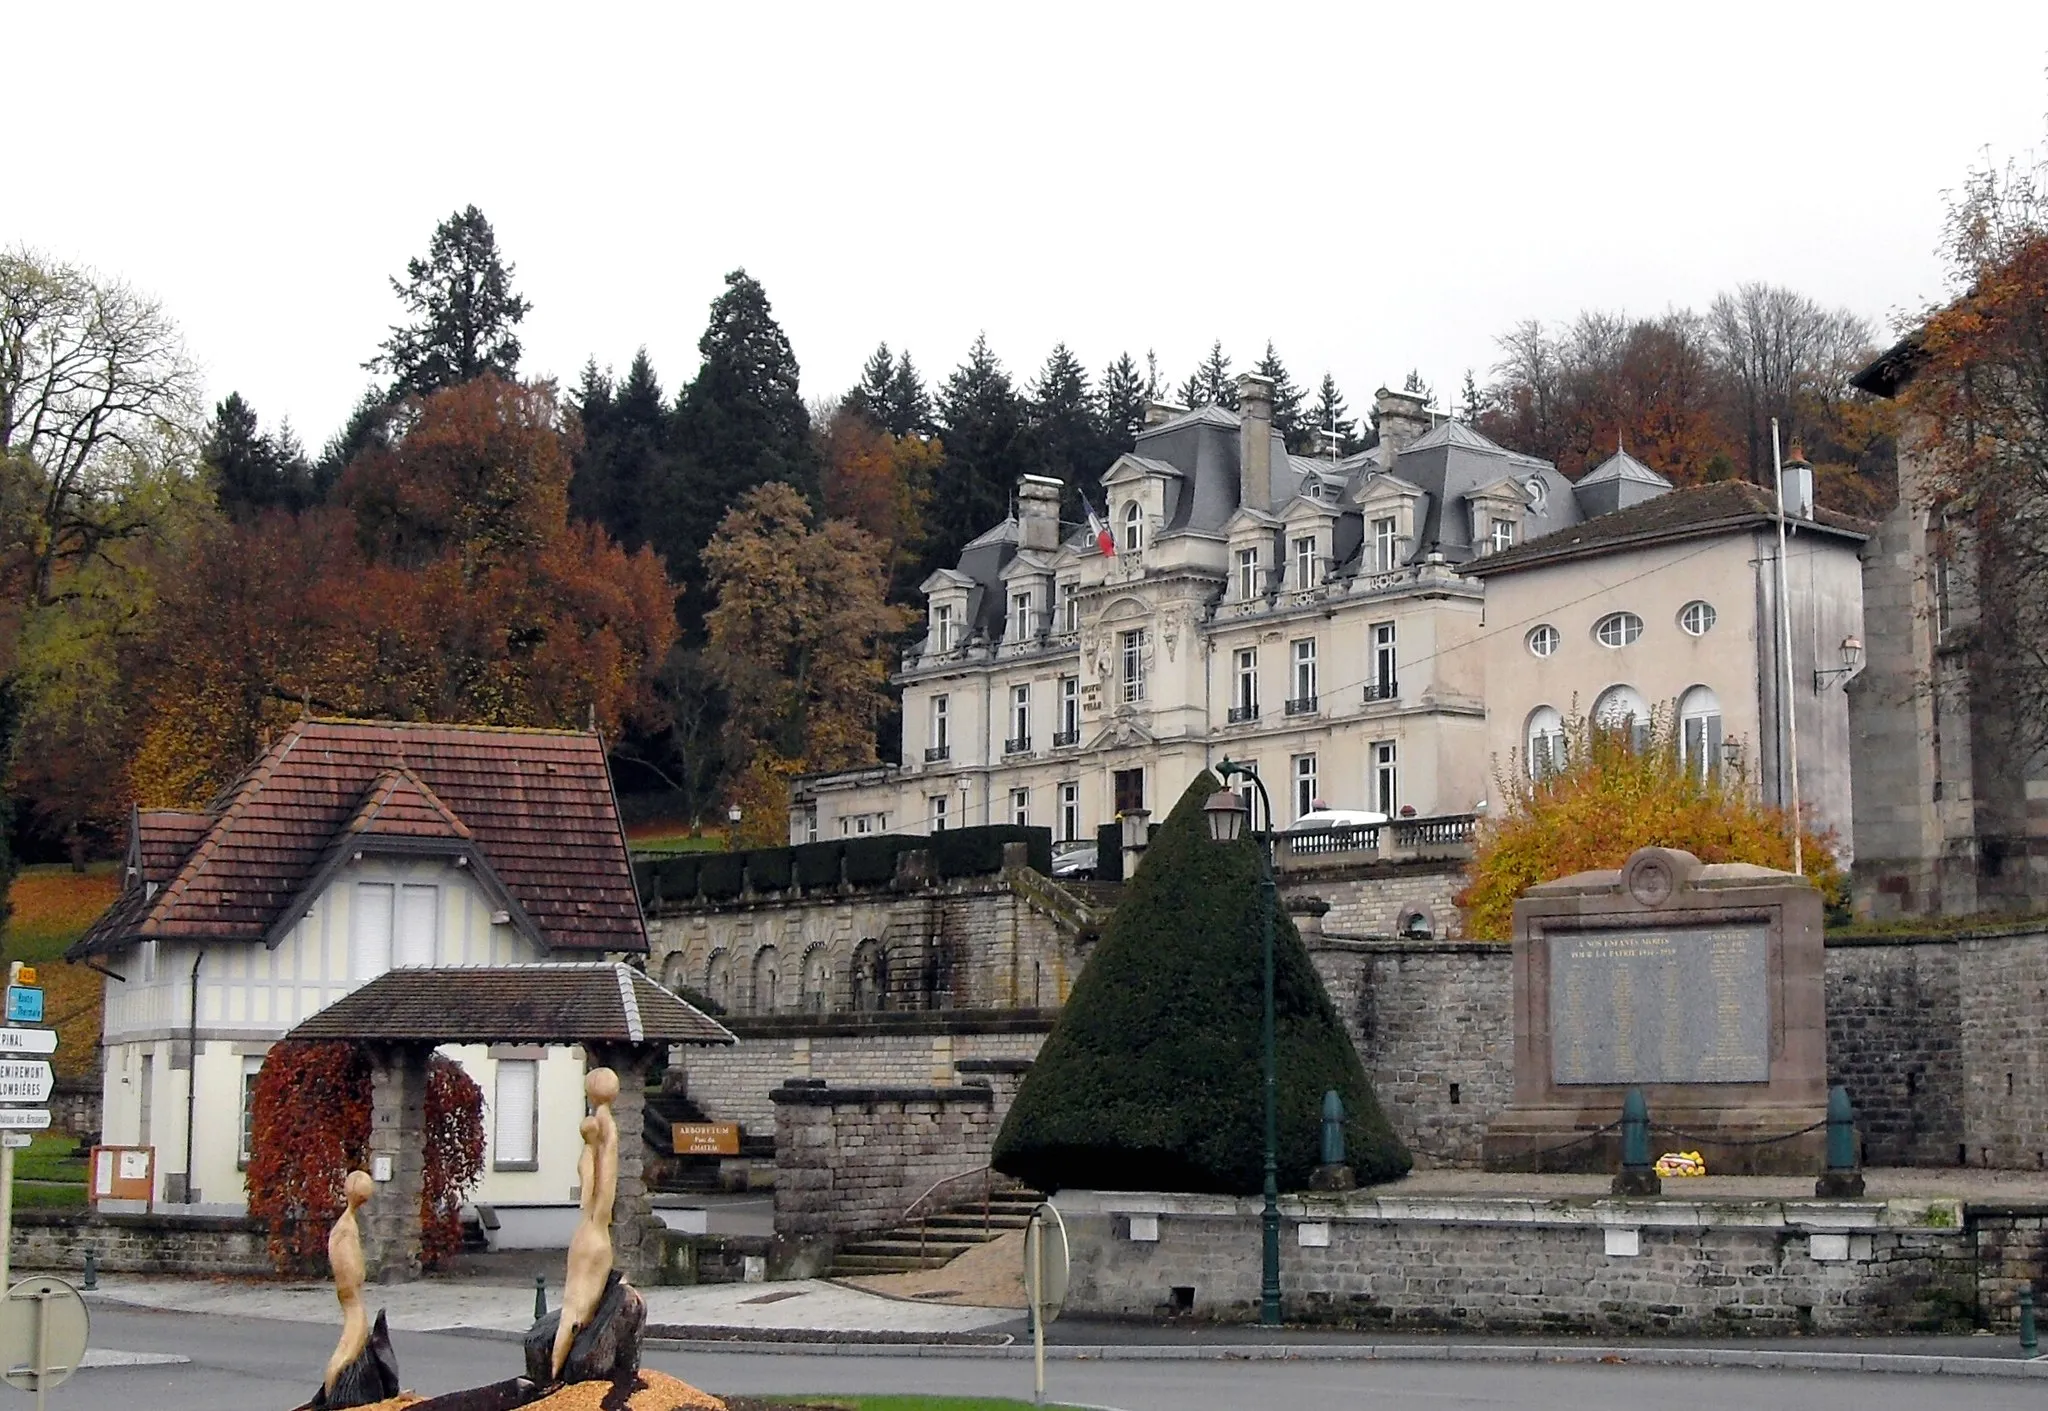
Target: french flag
[(1104, 540)]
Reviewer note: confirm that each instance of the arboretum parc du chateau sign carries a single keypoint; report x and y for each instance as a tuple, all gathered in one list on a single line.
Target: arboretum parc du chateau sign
[(1700, 984)]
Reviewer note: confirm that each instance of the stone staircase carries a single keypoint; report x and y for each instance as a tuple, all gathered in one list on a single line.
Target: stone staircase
[(933, 1241)]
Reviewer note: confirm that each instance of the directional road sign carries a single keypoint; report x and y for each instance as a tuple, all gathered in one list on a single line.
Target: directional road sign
[(24, 1004), (26, 1119), (25, 1080), (28, 1040), (20, 1141)]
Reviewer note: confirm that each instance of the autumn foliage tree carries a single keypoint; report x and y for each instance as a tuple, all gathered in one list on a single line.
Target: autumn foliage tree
[(881, 483), (1617, 790), (798, 641), (309, 1126)]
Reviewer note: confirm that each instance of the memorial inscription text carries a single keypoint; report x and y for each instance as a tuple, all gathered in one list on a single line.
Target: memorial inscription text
[(1679, 1005)]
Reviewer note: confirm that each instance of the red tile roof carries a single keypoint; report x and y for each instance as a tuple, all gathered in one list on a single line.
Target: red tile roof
[(164, 838), (534, 806)]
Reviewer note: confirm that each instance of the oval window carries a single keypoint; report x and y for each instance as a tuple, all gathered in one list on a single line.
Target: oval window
[(1618, 629), (1544, 640), (1697, 618)]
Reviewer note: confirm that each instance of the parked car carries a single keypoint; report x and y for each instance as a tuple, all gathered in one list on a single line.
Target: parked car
[(1074, 859), (1337, 818)]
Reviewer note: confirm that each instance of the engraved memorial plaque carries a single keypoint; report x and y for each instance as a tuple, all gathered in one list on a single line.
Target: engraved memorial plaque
[(1671, 1005)]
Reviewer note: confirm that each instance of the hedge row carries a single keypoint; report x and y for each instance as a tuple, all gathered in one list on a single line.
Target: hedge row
[(863, 861)]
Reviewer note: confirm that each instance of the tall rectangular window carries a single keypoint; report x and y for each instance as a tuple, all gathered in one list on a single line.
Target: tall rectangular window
[(1385, 662), (1070, 607), (516, 1115), (1305, 561), (1248, 585), (1246, 691), (1020, 807), (1070, 711), (939, 802), (1386, 544), (1304, 674), (1020, 616), (419, 917), (942, 726), (369, 943), (1503, 536), (1129, 785), (1070, 812), (1134, 665), (942, 627), (1255, 808), (1385, 779), (1305, 793), (1020, 720), (251, 1067)]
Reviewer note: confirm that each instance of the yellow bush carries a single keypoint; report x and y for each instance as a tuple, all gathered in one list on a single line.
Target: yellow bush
[(1614, 794)]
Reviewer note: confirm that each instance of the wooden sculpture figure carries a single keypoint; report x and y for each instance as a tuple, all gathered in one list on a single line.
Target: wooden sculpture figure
[(345, 1258), (590, 1248)]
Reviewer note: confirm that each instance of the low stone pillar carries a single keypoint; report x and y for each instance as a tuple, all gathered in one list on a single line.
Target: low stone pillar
[(398, 1136), (636, 1231)]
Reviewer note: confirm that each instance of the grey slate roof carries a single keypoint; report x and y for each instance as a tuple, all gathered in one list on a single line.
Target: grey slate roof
[(1623, 466), (514, 1004)]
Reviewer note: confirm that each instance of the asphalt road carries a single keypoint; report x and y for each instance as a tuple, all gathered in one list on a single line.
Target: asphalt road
[(258, 1365)]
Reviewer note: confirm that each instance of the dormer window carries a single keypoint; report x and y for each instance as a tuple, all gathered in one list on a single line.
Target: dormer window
[(1070, 606), (1248, 574), (1305, 561), (1386, 544), (942, 627), (1502, 536), (1134, 529), (1020, 616)]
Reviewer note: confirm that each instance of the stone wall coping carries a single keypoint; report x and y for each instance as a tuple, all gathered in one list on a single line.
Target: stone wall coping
[(859, 1025), (993, 1065), (816, 1094), (847, 892), (1307, 869), (1792, 1215), (1990, 931), (182, 1224), (1396, 945)]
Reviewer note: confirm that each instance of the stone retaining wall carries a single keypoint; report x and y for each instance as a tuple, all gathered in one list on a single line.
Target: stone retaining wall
[(57, 1240), (849, 1161), (1763, 1268)]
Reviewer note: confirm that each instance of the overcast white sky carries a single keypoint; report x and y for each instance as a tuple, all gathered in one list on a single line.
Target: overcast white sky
[(1374, 187)]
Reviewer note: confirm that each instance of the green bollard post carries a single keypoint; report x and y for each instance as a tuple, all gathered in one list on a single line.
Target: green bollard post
[(1638, 1175), (540, 1297), (2030, 1343), (1842, 1180)]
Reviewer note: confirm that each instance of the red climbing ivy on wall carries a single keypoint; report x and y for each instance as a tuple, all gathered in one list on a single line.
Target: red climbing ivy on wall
[(310, 1126)]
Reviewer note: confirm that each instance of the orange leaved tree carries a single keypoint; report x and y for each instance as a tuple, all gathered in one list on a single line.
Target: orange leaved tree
[(1610, 791), (309, 1126)]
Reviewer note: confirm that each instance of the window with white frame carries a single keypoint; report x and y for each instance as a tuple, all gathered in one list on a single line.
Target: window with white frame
[(1255, 808), (515, 1120), (1305, 799), (1020, 719), (1020, 616), (1070, 811), (1623, 708), (1305, 561), (1386, 544), (942, 627), (810, 825), (1618, 629), (1134, 529), (1699, 738), (1070, 606), (1544, 640), (1304, 672), (1134, 664), (1020, 807), (938, 812), (1070, 711), (252, 1067), (392, 925), (1502, 535), (1697, 618), (942, 724), (1246, 690), (1544, 736), (1386, 778), (1248, 585), (1385, 663)]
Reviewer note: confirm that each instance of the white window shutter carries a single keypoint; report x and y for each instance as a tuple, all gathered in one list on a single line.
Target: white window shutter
[(370, 930), (518, 1092), (418, 925)]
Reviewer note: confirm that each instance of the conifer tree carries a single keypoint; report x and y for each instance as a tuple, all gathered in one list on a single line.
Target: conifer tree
[(1287, 399), (368, 428), (982, 425), (1331, 418), (624, 472), (1068, 442), (891, 395), (1211, 383), (463, 308), (1120, 401), (253, 472)]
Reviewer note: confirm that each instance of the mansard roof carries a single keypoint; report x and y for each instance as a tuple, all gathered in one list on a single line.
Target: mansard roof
[(531, 811), (1623, 466)]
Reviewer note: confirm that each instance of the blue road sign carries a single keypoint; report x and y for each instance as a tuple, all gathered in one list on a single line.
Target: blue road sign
[(24, 1004)]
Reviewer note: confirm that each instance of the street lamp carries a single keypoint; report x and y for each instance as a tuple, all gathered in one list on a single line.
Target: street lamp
[(732, 832), (1227, 814), (1852, 658)]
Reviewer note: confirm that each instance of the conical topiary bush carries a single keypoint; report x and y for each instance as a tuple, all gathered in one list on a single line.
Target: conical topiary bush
[(1151, 1078)]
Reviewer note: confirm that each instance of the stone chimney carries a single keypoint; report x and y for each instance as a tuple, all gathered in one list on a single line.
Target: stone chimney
[(1038, 513), (1255, 449), (1798, 486), (1158, 412), (1403, 418)]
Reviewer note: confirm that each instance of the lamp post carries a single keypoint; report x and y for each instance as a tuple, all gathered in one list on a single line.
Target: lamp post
[(1226, 812), (732, 832)]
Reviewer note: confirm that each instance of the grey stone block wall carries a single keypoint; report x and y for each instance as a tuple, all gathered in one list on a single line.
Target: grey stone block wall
[(2003, 1003), (734, 1084), (140, 1244), (1894, 1030), (851, 1162)]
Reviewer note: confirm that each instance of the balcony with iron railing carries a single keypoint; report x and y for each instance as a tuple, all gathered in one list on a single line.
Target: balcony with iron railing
[(1302, 705), (1017, 744), (938, 754), (1065, 739), (1385, 689), (1243, 714)]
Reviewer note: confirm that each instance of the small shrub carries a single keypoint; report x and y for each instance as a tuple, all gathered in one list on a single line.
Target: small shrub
[(768, 869)]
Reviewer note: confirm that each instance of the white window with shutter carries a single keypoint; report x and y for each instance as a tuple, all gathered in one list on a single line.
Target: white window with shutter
[(515, 1125), (370, 925), (419, 926)]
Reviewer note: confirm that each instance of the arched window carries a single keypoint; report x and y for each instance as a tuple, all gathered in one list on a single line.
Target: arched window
[(767, 980), (1623, 708), (718, 981), (817, 980), (868, 980), (1134, 529), (1544, 736), (1699, 731)]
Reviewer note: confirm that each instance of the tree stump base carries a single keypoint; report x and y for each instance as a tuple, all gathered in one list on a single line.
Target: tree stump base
[(607, 1350)]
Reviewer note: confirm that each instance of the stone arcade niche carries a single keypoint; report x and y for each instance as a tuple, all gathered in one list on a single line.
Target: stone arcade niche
[(1701, 984)]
